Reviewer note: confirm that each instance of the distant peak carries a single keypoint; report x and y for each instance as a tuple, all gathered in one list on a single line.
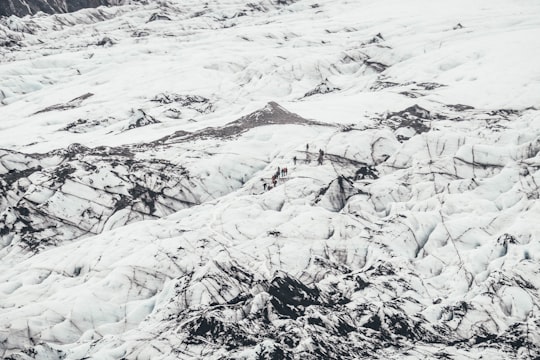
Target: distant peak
[(273, 107)]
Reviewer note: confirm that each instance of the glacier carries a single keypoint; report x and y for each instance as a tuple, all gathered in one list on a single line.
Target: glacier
[(139, 142)]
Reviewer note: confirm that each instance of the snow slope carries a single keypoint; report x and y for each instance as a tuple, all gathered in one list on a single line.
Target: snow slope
[(134, 223), (28, 7)]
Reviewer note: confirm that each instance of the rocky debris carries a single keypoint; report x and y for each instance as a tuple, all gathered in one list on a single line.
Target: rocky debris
[(82, 126), (87, 191), (411, 113), (184, 106), (195, 102), (140, 118), (410, 121), (421, 249), (290, 310), (211, 329), (271, 114), (411, 89), (375, 65), (158, 17), (459, 107), (324, 87), (375, 40), (290, 297), (106, 41), (429, 85), (140, 33), (366, 172), (9, 41), (416, 90), (503, 113), (382, 84), (411, 94), (73, 103)]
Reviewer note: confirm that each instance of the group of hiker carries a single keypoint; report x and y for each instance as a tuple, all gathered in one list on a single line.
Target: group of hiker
[(283, 172), (319, 159), (280, 173)]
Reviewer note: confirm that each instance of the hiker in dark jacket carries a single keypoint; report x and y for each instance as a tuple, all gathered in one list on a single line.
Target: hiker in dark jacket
[(321, 154), (294, 160)]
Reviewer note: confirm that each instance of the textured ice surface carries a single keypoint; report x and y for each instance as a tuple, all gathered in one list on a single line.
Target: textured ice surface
[(136, 142), (27, 7)]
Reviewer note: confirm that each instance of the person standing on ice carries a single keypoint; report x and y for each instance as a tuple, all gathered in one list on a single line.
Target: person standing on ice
[(264, 186), (294, 160), (321, 154)]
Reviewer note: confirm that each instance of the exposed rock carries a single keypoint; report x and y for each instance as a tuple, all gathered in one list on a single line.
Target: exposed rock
[(158, 17), (409, 122), (323, 88), (106, 41), (140, 118), (271, 114), (76, 102)]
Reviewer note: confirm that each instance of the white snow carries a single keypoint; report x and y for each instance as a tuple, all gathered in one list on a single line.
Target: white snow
[(134, 222)]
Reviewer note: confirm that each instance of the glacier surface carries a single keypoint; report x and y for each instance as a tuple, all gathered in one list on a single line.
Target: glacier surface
[(139, 217)]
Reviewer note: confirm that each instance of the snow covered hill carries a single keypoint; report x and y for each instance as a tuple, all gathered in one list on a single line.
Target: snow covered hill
[(140, 212), (28, 7)]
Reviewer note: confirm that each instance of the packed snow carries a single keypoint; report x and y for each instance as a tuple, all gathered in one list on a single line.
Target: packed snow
[(145, 212)]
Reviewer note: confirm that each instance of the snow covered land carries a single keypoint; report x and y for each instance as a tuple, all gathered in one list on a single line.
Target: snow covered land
[(139, 220)]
